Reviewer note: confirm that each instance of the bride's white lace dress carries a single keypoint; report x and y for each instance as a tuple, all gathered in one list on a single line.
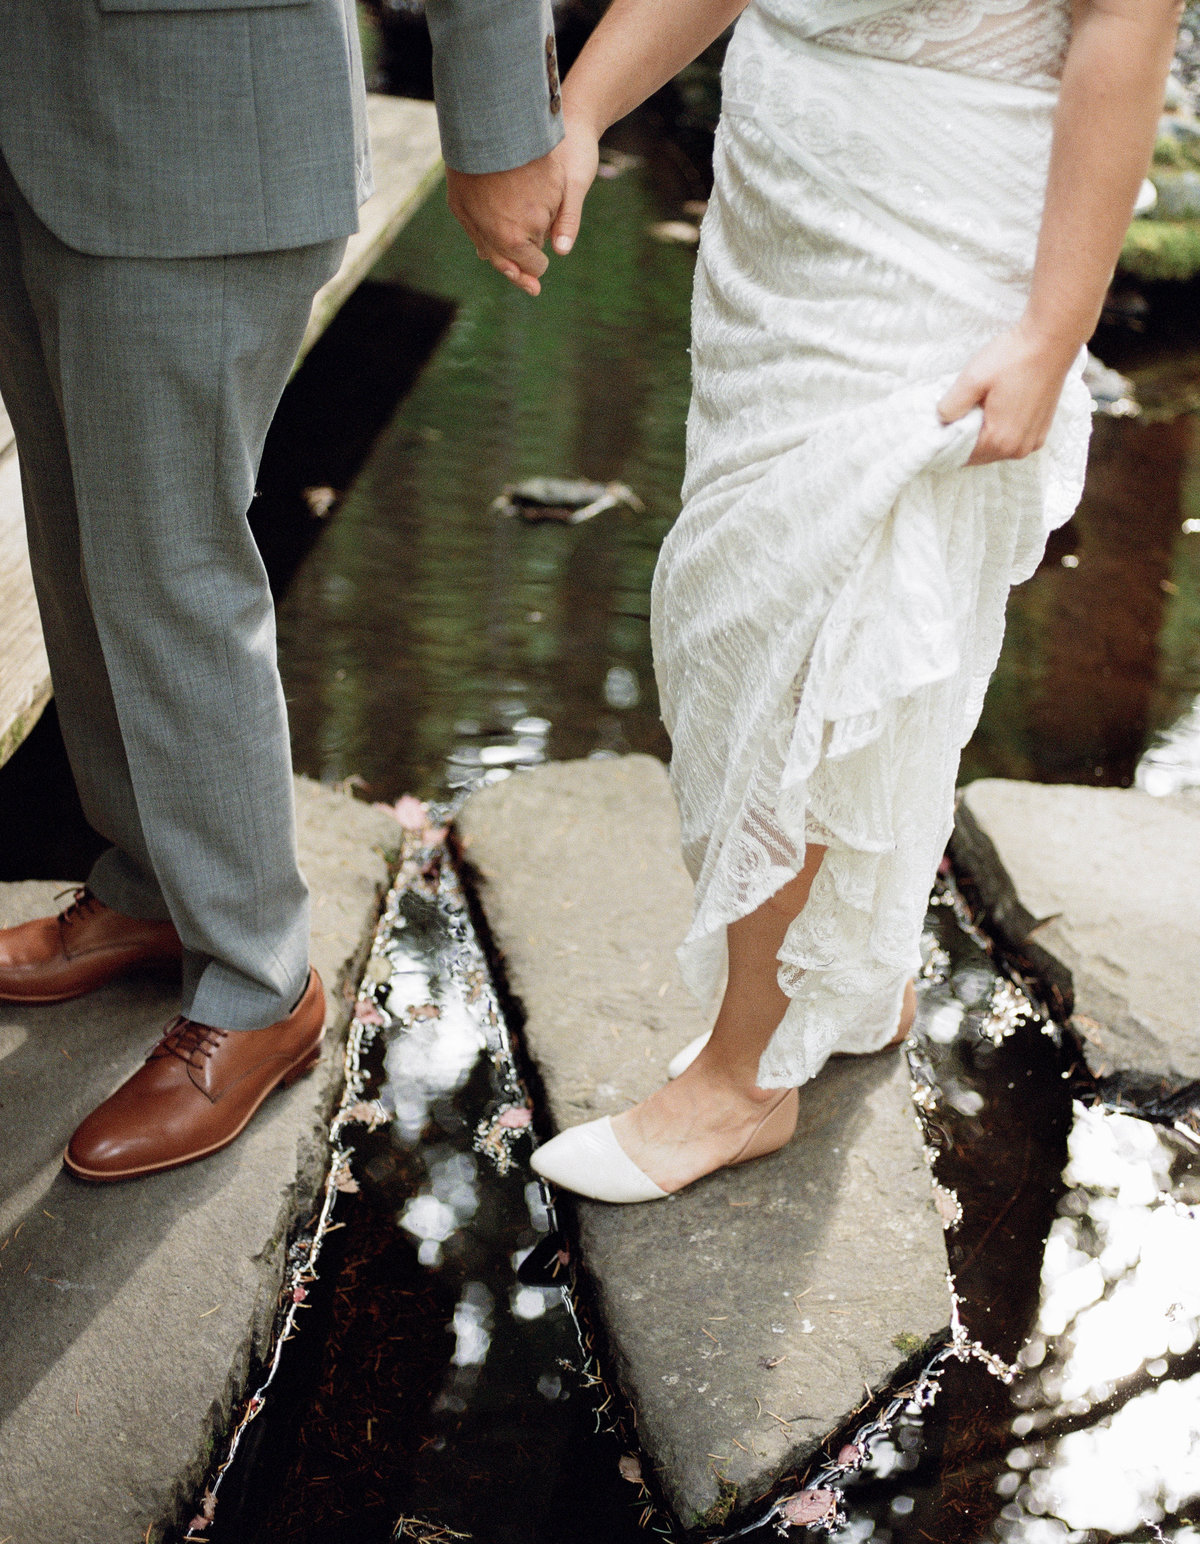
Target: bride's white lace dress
[(829, 607)]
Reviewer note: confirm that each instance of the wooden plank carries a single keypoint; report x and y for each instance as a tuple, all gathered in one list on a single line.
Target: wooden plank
[(407, 163), (24, 670)]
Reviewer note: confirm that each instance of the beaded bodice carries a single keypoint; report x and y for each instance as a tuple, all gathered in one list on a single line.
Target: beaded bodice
[(1016, 40)]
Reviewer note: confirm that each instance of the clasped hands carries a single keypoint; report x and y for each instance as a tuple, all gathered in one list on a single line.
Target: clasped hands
[(510, 215)]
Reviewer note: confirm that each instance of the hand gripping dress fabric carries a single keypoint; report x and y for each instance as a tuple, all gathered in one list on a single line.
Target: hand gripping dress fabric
[(829, 606)]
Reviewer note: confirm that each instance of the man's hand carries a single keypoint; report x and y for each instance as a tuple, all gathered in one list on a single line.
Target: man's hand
[(507, 215)]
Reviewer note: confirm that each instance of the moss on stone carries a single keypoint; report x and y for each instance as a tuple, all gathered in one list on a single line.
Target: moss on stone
[(718, 1514), (1161, 249), (908, 1344)]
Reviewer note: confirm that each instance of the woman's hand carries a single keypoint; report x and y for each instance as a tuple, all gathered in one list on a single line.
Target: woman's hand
[(1017, 380), (579, 157)]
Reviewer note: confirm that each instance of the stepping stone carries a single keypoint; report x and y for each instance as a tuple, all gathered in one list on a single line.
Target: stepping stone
[(1096, 893), (134, 1312), (746, 1318)]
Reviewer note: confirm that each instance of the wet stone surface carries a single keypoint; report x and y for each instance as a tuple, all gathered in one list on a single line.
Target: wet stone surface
[(133, 1312), (1093, 891), (745, 1315)]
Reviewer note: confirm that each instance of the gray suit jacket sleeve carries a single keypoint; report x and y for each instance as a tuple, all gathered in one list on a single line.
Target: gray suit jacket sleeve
[(495, 78)]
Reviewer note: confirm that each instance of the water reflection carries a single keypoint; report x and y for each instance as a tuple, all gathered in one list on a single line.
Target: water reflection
[(1109, 1444)]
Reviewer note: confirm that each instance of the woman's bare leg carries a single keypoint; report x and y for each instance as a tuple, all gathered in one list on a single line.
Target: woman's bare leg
[(699, 1121)]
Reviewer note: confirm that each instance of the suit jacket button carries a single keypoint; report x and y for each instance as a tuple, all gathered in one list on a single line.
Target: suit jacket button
[(550, 45)]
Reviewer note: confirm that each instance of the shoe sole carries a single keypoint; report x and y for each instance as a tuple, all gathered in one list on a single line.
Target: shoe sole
[(149, 968), (292, 1075)]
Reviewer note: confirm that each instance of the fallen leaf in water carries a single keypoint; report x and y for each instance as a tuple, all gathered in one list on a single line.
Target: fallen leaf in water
[(366, 1012), (630, 1467), (344, 1181), (378, 970), (299, 1294), (681, 231), (320, 500), (851, 1456), (411, 812), (516, 1115), (808, 1507), (367, 1112)]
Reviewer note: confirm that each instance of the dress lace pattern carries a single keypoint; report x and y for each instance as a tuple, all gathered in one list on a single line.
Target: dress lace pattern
[(829, 607), (1016, 40)]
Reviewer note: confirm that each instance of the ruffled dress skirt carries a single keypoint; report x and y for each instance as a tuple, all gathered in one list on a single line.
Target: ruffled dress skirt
[(829, 607)]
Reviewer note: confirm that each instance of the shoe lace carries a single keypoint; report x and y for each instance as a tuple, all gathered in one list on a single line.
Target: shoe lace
[(82, 904), (187, 1040)]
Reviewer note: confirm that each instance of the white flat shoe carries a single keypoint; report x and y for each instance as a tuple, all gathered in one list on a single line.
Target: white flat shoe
[(682, 1060), (589, 1159)]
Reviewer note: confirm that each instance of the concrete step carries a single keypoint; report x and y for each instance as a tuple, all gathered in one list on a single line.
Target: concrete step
[(1095, 891), (747, 1316), (133, 1312)]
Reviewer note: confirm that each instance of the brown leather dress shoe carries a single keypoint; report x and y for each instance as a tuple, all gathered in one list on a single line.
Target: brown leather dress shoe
[(196, 1092), (86, 946)]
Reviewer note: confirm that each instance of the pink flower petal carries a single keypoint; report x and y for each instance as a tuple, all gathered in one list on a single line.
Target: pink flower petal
[(809, 1506)]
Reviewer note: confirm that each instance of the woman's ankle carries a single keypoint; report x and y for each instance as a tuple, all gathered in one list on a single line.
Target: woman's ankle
[(713, 1076)]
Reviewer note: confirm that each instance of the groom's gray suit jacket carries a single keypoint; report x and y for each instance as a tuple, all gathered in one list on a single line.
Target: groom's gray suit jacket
[(192, 128)]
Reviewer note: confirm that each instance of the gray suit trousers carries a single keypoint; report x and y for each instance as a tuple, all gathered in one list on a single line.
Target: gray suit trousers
[(141, 390)]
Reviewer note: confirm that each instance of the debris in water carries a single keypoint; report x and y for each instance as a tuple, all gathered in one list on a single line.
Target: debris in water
[(614, 162), (630, 1467), (366, 1112), (569, 500), (681, 231), (418, 1529), (1112, 394), (807, 1507), (320, 501), (413, 814)]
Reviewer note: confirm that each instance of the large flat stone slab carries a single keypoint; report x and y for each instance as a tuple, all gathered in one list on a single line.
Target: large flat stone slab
[(1096, 891), (132, 1313), (746, 1315)]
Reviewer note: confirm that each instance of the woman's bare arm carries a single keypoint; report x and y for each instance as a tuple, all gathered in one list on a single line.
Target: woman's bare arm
[(637, 47), (1104, 128)]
